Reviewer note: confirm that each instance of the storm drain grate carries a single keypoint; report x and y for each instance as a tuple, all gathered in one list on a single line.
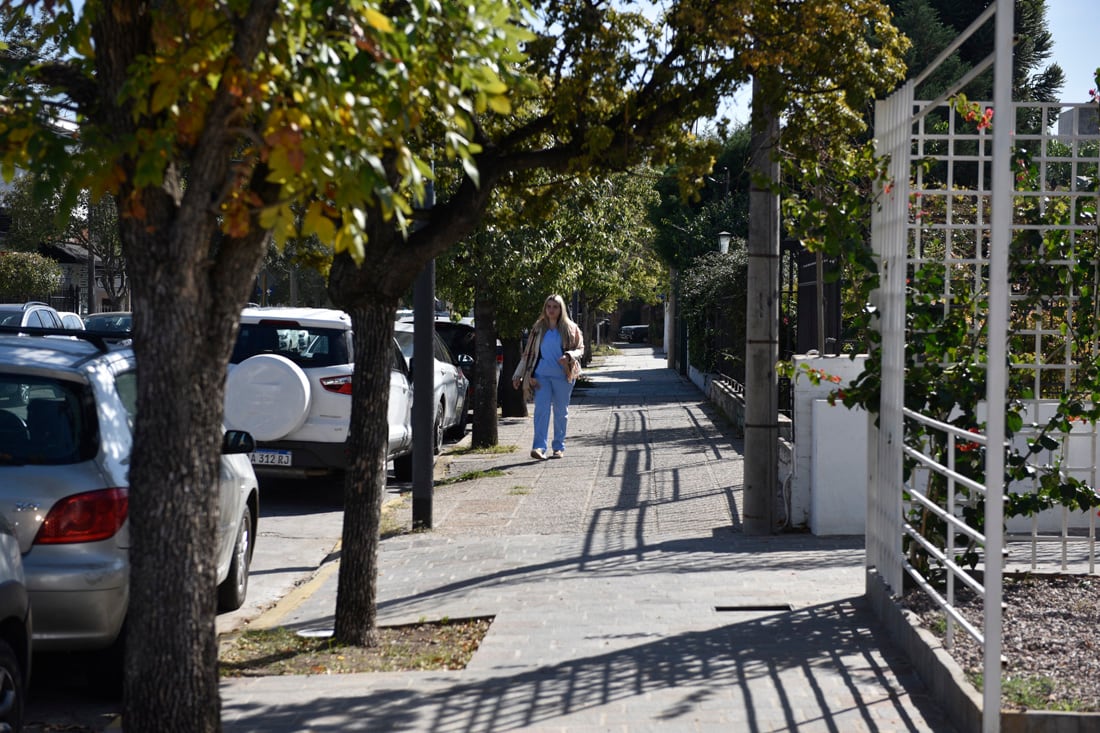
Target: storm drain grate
[(754, 607)]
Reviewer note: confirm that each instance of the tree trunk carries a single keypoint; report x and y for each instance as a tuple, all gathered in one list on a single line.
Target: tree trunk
[(511, 403), (185, 320), (365, 480), (171, 654), (586, 328), (485, 372)]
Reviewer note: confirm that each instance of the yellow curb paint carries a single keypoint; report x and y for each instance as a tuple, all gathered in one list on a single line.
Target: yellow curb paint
[(274, 616)]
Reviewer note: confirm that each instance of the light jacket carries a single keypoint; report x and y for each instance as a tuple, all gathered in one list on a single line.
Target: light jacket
[(572, 344)]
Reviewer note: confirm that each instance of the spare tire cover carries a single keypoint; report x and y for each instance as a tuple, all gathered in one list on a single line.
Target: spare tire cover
[(267, 395)]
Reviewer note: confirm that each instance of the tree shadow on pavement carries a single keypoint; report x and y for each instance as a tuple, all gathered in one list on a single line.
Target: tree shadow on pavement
[(824, 667)]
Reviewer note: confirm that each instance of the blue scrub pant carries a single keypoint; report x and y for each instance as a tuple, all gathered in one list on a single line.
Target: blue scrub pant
[(553, 393)]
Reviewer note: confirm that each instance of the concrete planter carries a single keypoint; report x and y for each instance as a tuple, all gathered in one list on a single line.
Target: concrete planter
[(946, 681)]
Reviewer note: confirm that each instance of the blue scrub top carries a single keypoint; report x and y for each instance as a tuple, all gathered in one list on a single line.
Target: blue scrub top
[(550, 350)]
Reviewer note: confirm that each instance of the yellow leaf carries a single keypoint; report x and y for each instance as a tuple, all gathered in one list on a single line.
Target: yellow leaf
[(271, 215), (494, 86), (279, 165), (317, 223), (378, 21), (163, 97), (500, 104)]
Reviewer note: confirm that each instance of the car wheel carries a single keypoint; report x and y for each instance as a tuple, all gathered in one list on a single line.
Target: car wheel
[(232, 591), (437, 429), (11, 689), (403, 467)]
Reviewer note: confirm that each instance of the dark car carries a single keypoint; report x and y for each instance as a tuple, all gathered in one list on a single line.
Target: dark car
[(634, 334), (459, 338), (120, 321)]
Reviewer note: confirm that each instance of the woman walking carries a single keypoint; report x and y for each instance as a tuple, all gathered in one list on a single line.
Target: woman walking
[(549, 368)]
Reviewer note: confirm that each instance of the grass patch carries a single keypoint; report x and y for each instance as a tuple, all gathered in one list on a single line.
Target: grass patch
[(939, 627), (439, 645), (391, 523), (519, 491), (491, 450), (604, 350), (1030, 693), (470, 476)]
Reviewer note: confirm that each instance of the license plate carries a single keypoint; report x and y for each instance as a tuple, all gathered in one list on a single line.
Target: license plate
[(263, 457)]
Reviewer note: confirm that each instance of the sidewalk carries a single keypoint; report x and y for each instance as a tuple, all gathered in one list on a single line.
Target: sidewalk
[(625, 596)]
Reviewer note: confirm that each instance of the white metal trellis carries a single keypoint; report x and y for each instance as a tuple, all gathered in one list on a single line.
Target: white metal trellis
[(896, 237)]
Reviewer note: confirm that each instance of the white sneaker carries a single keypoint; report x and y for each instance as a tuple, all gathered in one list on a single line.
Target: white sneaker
[(536, 453)]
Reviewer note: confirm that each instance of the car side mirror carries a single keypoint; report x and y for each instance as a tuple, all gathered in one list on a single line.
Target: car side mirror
[(238, 441)]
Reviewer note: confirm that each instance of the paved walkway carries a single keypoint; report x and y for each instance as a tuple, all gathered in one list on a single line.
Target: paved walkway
[(624, 594)]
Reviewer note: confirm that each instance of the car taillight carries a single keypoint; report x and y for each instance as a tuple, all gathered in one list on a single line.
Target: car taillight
[(340, 385), (88, 517)]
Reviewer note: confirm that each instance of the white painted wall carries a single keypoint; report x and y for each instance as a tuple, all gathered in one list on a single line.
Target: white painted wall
[(828, 490)]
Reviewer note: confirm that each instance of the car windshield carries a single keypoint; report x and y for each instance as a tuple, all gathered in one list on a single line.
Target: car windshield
[(459, 340), (305, 346), (108, 322), (46, 421), (11, 318)]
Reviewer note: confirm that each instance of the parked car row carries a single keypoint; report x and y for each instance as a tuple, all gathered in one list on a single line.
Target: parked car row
[(67, 407), (459, 336), (289, 385), (34, 314)]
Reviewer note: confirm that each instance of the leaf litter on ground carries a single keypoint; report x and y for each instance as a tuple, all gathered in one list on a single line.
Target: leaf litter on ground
[(448, 644)]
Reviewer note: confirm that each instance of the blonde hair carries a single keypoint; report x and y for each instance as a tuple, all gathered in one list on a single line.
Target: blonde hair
[(565, 323)]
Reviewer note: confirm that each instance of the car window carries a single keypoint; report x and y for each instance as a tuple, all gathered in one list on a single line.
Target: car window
[(11, 318), (442, 353), (405, 341), (398, 363), (46, 421), (49, 318), (126, 386), (108, 322), (305, 346), (34, 319)]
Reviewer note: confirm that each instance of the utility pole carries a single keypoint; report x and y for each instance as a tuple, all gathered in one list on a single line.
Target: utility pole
[(423, 407), (762, 327), (90, 274)]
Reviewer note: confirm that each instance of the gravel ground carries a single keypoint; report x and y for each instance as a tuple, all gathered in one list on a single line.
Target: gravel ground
[(1050, 652)]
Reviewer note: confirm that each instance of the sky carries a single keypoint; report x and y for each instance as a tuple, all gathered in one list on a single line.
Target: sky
[(1072, 23)]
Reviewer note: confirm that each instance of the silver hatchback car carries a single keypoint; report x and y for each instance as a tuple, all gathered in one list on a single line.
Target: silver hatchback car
[(65, 440)]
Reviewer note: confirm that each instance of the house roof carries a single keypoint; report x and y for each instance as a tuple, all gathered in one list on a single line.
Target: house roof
[(67, 253)]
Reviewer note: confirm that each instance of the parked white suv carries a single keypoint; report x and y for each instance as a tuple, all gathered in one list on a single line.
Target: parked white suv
[(32, 314), (289, 385)]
